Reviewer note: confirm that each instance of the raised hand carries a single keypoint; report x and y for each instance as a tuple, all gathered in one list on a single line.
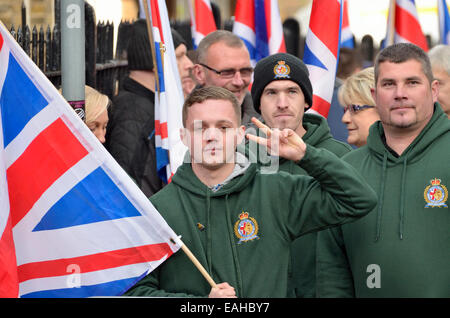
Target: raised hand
[(284, 143)]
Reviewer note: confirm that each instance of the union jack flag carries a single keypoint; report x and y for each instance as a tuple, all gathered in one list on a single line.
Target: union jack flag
[(258, 24), (444, 22), (72, 223), (202, 20), (404, 25), (169, 98), (321, 52)]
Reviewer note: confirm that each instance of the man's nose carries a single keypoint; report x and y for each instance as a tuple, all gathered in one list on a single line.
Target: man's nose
[(282, 101), (211, 134), (400, 91), (237, 79)]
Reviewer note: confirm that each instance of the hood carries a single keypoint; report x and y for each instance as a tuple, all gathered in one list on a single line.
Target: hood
[(437, 126), (317, 129), (244, 172), (241, 176)]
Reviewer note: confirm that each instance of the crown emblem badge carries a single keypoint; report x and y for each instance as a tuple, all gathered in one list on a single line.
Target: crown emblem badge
[(246, 228), (436, 194), (281, 70)]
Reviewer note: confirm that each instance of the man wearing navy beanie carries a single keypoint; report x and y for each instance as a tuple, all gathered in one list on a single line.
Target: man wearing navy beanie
[(281, 93)]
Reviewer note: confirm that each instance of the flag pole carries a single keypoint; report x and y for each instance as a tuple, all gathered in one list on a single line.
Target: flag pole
[(148, 19), (183, 246), (194, 260), (391, 23)]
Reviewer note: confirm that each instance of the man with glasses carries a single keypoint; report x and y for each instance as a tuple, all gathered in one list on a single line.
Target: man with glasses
[(282, 92), (223, 60), (359, 112), (401, 249)]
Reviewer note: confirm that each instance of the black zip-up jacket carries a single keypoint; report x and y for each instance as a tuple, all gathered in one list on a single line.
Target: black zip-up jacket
[(130, 136)]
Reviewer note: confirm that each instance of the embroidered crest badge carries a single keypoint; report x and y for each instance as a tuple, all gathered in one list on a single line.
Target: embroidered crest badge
[(436, 194), (281, 70), (246, 228)]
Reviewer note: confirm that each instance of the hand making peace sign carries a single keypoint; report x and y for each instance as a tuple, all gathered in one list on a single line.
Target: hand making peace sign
[(283, 143)]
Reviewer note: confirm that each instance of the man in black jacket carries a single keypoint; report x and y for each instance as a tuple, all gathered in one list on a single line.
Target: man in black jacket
[(131, 131)]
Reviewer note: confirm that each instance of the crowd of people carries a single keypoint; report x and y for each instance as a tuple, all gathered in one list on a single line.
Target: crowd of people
[(355, 213)]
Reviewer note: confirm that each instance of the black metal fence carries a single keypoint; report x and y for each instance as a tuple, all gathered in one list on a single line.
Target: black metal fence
[(104, 69)]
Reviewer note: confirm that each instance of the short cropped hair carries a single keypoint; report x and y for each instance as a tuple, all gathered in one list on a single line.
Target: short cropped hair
[(230, 39), (200, 95), (358, 87), (402, 52), (440, 57)]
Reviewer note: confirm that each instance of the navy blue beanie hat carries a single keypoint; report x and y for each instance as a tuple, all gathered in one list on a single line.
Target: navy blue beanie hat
[(280, 66)]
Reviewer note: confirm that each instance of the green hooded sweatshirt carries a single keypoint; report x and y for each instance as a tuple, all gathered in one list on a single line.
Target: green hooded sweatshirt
[(402, 249), (302, 275), (302, 272), (242, 233)]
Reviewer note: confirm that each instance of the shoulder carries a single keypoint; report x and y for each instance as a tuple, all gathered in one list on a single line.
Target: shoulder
[(356, 154), (337, 147)]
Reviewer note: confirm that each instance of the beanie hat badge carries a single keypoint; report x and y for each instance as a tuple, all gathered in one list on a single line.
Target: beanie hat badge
[(281, 70)]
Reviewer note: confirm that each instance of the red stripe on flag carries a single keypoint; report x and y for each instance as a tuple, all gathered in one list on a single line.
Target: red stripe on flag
[(326, 13), (156, 18), (54, 151), (409, 28), (268, 11), (321, 106), (204, 18), (161, 129), (245, 13), (94, 262), (1, 41), (9, 284)]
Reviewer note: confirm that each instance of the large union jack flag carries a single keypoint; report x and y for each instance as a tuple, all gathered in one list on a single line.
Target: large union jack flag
[(72, 223)]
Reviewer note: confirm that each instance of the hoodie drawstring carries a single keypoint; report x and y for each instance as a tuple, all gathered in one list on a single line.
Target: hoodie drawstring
[(233, 249), (208, 232), (381, 198), (402, 199)]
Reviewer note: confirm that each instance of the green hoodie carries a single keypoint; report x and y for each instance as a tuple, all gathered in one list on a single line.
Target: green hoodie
[(278, 207), (302, 276), (403, 248)]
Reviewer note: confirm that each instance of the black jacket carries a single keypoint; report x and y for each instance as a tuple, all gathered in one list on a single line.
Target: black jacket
[(130, 134)]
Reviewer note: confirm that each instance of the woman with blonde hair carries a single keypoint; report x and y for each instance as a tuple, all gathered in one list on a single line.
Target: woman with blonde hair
[(96, 107), (359, 110)]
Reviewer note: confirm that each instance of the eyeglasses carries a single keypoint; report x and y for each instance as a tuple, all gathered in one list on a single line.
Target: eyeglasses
[(229, 73), (356, 108)]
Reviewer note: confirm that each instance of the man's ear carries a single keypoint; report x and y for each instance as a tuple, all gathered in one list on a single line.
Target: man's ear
[(372, 91), (184, 136), (240, 134), (199, 74), (435, 90)]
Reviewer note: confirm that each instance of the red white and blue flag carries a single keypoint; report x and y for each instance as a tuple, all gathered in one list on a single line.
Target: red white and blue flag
[(347, 39), (202, 20), (404, 25), (258, 24), (321, 51), (169, 98), (444, 22), (72, 223)]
